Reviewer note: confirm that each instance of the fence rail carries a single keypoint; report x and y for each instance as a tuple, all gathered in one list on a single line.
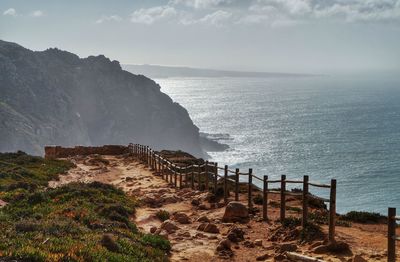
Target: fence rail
[(204, 176)]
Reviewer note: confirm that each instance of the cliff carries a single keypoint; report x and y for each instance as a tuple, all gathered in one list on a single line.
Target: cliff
[(55, 97)]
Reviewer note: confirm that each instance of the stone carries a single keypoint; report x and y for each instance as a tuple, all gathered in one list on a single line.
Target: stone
[(287, 247), (163, 234), (203, 207), (224, 244), (202, 226), (108, 242), (184, 234), (236, 212), (258, 242), (169, 226), (358, 258), (152, 201), (153, 229), (248, 244), (181, 218), (195, 202), (235, 234), (262, 257), (203, 219), (211, 228)]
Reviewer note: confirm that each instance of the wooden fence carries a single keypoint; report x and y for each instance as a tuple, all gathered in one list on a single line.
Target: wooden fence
[(392, 237), (199, 176)]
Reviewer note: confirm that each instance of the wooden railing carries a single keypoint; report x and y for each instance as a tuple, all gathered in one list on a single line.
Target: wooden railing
[(198, 177), (392, 237)]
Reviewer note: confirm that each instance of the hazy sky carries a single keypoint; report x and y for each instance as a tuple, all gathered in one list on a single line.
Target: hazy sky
[(314, 36)]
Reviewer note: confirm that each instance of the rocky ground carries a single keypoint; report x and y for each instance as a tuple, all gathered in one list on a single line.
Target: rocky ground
[(202, 228)]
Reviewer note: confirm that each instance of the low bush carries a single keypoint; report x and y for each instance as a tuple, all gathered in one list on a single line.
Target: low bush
[(363, 217), (258, 199), (163, 215)]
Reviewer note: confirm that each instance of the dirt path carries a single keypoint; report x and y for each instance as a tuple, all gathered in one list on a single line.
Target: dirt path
[(190, 244)]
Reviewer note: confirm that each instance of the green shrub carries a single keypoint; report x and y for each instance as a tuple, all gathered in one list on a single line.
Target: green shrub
[(163, 215), (291, 222), (258, 199), (363, 217), (156, 241), (311, 232)]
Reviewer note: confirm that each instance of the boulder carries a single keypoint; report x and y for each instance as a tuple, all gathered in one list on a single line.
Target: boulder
[(224, 244), (195, 202), (235, 234), (236, 212), (202, 226), (287, 247), (211, 228), (169, 226), (181, 218), (203, 219)]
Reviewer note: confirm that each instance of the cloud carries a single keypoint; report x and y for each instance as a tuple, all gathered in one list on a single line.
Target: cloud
[(204, 4), (114, 18), (151, 15), (216, 18), (37, 13), (10, 12)]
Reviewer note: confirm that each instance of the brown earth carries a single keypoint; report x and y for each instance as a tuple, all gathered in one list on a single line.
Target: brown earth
[(191, 244)]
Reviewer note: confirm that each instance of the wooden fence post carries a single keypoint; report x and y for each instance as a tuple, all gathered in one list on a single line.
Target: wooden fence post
[(249, 191), (206, 177), (391, 234), (265, 199), (237, 184), (148, 156), (186, 177), (283, 198), (305, 201), (332, 211), (226, 184), (170, 174), (192, 177), (180, 179), (215, 178), (162, 169), (176, 178), (198, 178)]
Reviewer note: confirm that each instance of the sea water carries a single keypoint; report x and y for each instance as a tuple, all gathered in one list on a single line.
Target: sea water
[(326, 127)]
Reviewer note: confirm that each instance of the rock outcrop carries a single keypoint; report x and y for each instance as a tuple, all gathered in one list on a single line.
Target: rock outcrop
[(55, 97)]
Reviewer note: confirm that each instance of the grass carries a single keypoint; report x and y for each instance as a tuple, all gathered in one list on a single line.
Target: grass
[(68, 223)]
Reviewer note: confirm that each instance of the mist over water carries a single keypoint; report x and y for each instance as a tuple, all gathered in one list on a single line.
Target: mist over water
[(324, 127)]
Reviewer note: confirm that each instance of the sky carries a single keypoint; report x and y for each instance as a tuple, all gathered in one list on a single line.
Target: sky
[(296, 36)]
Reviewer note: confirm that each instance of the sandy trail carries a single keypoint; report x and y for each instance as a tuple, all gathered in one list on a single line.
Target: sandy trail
[(187, 242)]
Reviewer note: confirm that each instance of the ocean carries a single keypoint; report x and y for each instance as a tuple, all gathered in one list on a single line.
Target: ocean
[(326, 127)]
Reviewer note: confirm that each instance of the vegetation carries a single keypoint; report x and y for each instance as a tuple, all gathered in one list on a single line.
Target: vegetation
[(258, 199), (309, 233), (363, 217), (76, 222), (163, 215)]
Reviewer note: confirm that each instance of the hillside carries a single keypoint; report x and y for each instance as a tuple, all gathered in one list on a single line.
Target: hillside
[(55, 97)]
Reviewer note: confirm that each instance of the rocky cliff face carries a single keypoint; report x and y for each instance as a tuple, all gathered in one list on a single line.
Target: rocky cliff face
[(55, 97)]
